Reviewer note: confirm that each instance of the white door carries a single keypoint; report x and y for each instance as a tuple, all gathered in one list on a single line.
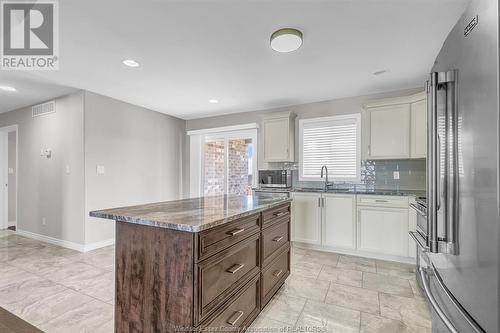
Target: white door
[(419, 129), (339, 227), (306, 226), (4, 195), (389, 131), (383, 230)]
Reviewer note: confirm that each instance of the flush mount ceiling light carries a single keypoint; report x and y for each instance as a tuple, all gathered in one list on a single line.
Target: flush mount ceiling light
[(213, 101), (286, 40), (130, 63), (8, 88)]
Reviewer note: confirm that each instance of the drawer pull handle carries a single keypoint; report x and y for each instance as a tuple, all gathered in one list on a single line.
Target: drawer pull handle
[(235, 317), (278, 214), (235, 268), (277, 239), (278, 273), (235, 232), (379, 200)]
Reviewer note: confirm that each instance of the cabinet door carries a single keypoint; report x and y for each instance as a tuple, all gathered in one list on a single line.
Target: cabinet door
[(419, 129), (339, 228), (306, 223), (276, 139), (389, 132), (383, 230)]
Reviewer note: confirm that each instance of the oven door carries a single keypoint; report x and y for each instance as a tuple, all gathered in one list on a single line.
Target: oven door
[(421, 235)]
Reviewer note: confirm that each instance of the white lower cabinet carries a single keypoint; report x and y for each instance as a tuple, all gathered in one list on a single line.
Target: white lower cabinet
[(306, 225), (383, 230), (366, 225), (339, 229)]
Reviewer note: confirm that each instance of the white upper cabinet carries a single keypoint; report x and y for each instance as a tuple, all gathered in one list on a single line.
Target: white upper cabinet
[(339, 228), (419, 129), (306, 224), (389, 132), (279, 137), (397, 127)]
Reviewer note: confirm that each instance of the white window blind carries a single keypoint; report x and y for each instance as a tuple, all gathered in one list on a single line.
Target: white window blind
[(330, 141)]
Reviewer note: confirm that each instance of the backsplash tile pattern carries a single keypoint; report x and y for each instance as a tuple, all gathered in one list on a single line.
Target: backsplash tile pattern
[(376, 174)]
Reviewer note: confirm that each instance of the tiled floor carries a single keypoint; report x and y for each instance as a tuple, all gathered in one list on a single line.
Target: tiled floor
[(60, 290)]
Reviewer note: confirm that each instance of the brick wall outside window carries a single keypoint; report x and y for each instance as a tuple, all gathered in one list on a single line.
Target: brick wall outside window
[(239, 181)]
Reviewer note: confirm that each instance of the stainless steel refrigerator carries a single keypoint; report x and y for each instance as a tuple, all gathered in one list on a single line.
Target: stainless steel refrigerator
[(460, 246)]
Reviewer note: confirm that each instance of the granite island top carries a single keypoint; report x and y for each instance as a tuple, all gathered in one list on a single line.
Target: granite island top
[(194, 215)]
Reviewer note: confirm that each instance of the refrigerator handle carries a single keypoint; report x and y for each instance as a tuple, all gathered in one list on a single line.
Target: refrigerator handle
[(434, 304), (452, 170), (432, 159)]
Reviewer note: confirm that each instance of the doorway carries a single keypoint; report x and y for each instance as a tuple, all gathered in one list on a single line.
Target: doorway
[(8, 177)]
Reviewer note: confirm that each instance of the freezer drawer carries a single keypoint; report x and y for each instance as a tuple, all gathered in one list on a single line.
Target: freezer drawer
[(448, 316)]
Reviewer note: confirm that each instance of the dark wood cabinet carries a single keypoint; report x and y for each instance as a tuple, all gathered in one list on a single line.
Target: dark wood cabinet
[(169, 280)]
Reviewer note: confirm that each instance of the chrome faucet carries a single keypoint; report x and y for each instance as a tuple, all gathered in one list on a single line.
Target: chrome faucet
[(326, 178)]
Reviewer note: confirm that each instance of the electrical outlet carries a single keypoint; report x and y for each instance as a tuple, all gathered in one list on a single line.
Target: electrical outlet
[(395, 175), (100, 170), (44, 221)]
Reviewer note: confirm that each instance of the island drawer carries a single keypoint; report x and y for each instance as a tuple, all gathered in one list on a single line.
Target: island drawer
[(273, 276), (220, 276), (273, 238), (274, 215), (214, 240), (240, 311)]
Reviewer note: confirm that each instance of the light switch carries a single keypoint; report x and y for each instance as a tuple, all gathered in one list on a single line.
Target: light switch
[(395, 175), (11, 171), (100, 170)]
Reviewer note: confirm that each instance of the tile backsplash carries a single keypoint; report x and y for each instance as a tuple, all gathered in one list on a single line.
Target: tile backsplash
[(377, 174)]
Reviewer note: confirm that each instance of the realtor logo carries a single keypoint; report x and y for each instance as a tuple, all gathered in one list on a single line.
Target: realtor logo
[(29, 35)]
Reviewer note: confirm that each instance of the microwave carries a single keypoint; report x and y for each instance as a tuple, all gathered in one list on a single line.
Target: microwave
[(275, 178)]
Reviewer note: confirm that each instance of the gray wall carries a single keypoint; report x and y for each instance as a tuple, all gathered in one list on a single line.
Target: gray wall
[(142, 152), (320, 109), (12, 177), (45, 190)]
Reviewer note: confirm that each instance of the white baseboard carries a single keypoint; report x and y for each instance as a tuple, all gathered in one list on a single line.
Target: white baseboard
[(64, 243), (98, 245), (357, 253)]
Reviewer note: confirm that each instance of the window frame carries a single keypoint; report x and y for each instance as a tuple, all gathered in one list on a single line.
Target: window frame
[(339, 118)]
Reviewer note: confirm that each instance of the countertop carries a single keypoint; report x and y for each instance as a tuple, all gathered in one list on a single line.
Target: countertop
[(351, 190), (193, 215)]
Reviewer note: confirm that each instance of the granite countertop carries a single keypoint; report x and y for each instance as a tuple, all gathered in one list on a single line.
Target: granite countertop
[(193, 215), (351, 190)]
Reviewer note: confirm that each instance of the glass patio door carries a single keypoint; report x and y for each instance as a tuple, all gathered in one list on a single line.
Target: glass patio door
[(229, 163)]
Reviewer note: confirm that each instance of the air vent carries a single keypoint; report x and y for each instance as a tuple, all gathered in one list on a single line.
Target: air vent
[(43, 109)]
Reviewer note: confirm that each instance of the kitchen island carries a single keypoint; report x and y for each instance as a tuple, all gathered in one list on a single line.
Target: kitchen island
[(203, 263)]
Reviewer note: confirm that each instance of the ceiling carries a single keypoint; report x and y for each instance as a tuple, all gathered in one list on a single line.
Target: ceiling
[(193, 51)]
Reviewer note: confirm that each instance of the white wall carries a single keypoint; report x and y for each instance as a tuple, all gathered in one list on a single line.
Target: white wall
[(45, 190), (142, 152)]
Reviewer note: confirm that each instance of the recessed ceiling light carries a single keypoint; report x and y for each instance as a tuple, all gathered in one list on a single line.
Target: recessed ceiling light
[(380, 72), (286, 40), (213, 101), (130, 63), (8, 88)]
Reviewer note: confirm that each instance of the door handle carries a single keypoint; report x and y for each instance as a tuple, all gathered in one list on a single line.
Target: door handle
[(235, 231), (235, 268), (235, 317)]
